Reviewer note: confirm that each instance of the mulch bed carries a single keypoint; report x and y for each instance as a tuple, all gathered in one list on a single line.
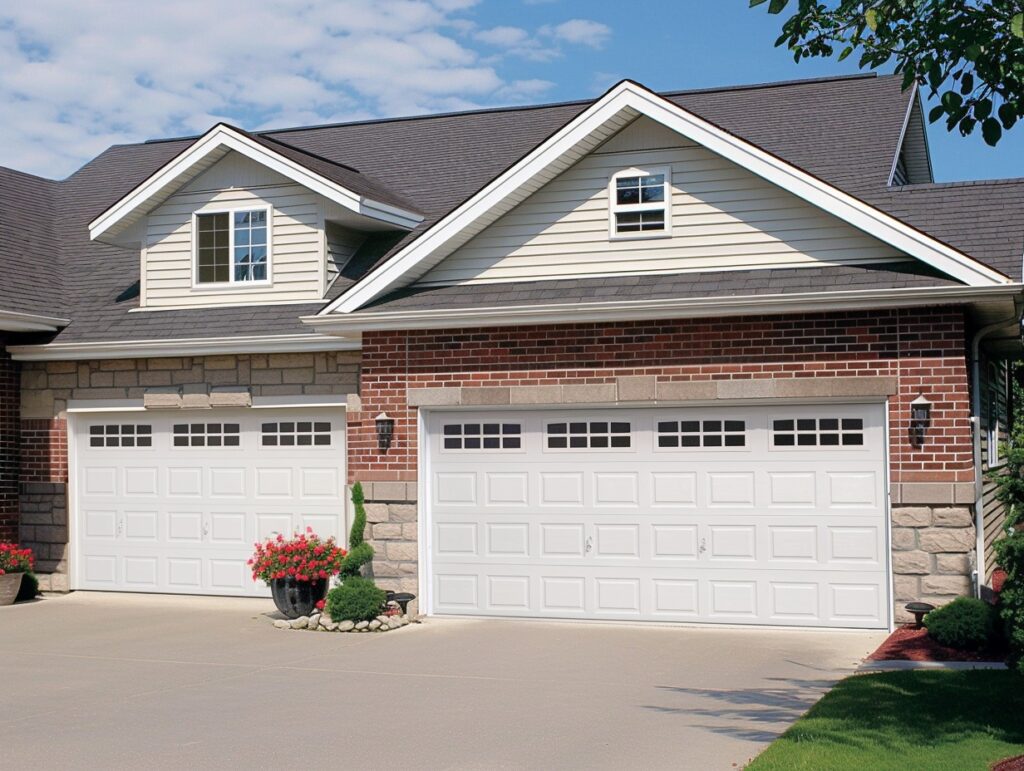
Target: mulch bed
[(908, 643), (1010, 764)]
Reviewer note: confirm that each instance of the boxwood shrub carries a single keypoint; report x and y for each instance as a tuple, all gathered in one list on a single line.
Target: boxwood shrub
[(358, 599), (966, 624)]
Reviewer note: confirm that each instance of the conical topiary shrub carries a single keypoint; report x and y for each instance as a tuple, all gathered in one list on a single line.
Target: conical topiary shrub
[(359, 552)]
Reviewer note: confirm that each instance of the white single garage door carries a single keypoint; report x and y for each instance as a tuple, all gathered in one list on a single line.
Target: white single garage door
[(173, 501), (738, 515)]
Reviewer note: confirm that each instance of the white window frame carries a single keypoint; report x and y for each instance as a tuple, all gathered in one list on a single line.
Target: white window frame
[(231, 283), (996, 384), (614, 208)]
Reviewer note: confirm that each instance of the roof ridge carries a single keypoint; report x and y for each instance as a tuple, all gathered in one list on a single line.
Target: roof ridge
[(305, 152), (541, 106)]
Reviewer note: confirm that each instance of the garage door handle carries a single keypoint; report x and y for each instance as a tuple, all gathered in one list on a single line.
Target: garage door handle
[(703, 545), (590, 543), (206, 528)]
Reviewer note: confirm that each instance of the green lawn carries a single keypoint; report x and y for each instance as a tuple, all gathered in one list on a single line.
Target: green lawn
[(955, 720)]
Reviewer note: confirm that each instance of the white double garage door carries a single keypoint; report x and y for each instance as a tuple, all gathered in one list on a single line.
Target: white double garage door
[(173, 501), (737, 515)]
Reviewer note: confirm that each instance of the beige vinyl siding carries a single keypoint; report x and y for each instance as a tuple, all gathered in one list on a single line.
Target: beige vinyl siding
[(296, 248), (342, 243), (994, 404), (723, 217)]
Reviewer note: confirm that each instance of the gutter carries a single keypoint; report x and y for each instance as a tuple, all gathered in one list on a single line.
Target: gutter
[(209, 346), (978, 574), (11, 321), (637, 310)]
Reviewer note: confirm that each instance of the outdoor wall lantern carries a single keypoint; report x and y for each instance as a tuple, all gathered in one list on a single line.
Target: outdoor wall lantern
[(920, 416), (385, 431)]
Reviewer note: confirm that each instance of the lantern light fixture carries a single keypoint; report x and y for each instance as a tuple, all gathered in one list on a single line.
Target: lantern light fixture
[(920, 418), (385, 431)]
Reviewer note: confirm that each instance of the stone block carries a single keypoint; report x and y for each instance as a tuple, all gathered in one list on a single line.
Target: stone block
[(927, 492), (912, 516), (907, 588), (101, 380), (378, 512), (952, 517), (955, 585), (936, 540), (399, 551), (154, 378), (220, 362), (126, 378), (165, 364), (195, 400), (486, 396), (911, 563), (545, 394), (37, 404), (162, 399), (957, 564), (266, 377), (402, 512), (387, 530), (682, 391), (410, 531), (389, 491), (61, 367), (637, 388), (298, 375), (33, 379), (231, 396), (434, 397), (904, 538), (589, 394), (291, 360)]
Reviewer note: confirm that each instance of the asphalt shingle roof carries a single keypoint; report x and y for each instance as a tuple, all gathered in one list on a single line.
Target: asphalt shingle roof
[(844, 131), (734, 283)]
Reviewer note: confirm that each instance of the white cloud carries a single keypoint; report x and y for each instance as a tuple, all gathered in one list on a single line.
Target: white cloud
[(79, 75), (581, 32)]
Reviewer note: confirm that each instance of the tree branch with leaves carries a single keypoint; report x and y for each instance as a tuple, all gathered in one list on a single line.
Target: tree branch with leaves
[(969, 54)]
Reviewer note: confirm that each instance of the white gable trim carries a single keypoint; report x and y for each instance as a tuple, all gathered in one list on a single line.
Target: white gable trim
[(213, 145), (632, 99), (13, 321)]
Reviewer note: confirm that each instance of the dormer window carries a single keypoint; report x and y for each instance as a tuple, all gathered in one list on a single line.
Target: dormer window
[(639, 202), (232, 247)]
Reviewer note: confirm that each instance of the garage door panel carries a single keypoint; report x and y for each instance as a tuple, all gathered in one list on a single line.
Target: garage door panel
[(183, 518), (791, 535)]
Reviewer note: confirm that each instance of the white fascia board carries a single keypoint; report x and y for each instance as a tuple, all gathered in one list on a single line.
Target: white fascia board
[(675, 308), (631, 96), (903, 134), (224, 137), (12, 321), (212, 346)]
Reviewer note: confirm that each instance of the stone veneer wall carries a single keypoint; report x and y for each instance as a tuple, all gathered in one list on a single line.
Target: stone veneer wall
[(932, 554), (9, 444), (48, 386)]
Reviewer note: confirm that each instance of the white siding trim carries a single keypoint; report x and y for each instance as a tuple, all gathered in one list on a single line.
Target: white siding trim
[(628, 100), (219, 139)]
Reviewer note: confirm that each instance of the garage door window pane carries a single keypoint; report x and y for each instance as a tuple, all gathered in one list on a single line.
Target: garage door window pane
[(818, 432), (481, 436), (206, 435), (301, 434), (121, 435), (590, 435), (702, 433)]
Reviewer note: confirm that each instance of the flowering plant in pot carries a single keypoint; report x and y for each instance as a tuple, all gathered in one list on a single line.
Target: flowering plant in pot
[(297, 569), (14, 563)]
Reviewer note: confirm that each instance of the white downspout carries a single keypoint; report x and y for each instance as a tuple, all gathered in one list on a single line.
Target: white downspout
[(978, 575)]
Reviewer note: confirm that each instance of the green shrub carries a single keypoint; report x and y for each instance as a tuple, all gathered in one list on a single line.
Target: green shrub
[(358, 599), (359, 552), (29, 587), (1009, 549), (966, 624)]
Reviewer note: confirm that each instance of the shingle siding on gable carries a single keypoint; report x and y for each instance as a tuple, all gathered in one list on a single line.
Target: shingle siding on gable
[(723, 217), (297, 254)]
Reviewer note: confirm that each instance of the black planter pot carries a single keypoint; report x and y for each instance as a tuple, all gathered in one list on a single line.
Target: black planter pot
[(297, 598)]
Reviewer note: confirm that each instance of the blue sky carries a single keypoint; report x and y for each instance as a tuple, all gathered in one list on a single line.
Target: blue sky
[(79, 75)]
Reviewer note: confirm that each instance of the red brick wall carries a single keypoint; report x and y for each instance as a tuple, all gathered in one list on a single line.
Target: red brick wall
[(44, 450), (9, 416), (924, 348)]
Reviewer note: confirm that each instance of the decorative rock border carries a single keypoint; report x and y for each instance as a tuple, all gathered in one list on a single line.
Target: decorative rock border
[(321, 622)]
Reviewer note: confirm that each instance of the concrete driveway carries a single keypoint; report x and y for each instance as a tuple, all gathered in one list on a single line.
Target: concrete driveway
[(117, 681)]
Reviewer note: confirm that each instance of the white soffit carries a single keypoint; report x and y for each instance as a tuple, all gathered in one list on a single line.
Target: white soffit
[(622, 104)]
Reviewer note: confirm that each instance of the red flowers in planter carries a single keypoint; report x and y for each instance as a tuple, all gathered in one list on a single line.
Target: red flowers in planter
[(15, 560), (304, 557)]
